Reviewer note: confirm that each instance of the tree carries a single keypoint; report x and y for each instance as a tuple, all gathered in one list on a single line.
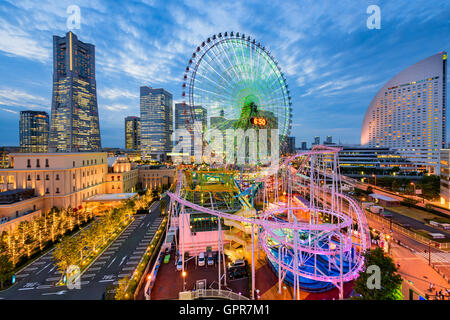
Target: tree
[(6, 269), (409, 202), (122, 288), (390, 282)]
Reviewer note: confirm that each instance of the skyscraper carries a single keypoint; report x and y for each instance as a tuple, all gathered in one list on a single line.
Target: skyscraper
[(156, 123), (408, 113), (132, 133), (316, 141), (328, 140), (304, 145), (74, 120), (33, 131), (185, 117)]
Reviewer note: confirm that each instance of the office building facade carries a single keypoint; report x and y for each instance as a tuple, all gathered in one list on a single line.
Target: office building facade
[(408, 113), (156, 123), (33, 131), (185, 117), (74, 118), (132, 133)]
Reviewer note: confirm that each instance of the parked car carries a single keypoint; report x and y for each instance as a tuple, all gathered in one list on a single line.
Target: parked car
[(210, 259), (239, 263), (201, 259), (180, 264), (237, 273)]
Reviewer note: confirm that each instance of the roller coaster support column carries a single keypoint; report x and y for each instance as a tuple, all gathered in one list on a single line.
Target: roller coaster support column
[(253, 261), (218, 251), (279, 269), (341, 270), (182, 237), (296, 289)]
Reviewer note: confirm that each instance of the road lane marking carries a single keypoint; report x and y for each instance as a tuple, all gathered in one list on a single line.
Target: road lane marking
[(123, 259), (43, 268), (111, 262)]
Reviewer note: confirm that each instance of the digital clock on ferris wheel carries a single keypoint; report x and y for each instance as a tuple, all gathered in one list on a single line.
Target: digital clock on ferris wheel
[(260, 122)]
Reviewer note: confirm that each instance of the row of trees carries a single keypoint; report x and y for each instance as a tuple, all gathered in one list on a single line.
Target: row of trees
[(31, 237), (74, 250), (428, 184)]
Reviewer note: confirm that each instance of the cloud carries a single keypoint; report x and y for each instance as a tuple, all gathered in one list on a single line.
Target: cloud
[(9, 110), (114, 93), (22, 99), (116, 107), (16, 42)]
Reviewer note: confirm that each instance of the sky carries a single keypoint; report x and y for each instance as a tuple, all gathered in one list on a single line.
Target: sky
[(334, 64)]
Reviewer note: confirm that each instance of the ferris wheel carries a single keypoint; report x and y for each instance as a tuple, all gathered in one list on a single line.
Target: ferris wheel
[(236, 83)]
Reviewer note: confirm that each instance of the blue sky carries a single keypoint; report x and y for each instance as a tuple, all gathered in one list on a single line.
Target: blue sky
[(333, 63)]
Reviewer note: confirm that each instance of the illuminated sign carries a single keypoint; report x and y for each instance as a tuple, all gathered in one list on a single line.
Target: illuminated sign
[(258, 121)]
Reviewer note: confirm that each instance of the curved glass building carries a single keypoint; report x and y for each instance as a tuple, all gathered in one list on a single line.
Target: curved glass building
[(408, 114)]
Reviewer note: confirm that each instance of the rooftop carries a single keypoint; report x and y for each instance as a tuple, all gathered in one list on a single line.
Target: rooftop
[(382, 197), (111, 197)]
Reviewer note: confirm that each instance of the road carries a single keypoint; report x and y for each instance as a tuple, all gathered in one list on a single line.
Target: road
[(36, 281)]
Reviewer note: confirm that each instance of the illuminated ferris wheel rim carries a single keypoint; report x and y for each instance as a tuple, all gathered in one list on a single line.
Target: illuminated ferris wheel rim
[(282, 110)]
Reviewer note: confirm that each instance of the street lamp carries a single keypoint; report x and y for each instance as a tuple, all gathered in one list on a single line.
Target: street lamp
[(374, 176), (183, 274)]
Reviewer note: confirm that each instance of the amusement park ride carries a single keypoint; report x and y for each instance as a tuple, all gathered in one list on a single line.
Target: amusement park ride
[(294, 212)]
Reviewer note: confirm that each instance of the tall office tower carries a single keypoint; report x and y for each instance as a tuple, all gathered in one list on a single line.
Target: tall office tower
[(304, 145), (329, 140), (132, 133), (33, 131), (408, 113), (184, 119), (291, 145), (156, 123), (316, 141), (74, 121)]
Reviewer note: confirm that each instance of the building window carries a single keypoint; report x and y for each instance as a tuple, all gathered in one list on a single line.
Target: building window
[(57, 190), (28, 163), (46, 177), (46, 163), (38, 164), (118, 178), (112, 187), (57, 176), (46, 191), (73, 175), (73, 189), (73, 164), (112, 178), (83, 162), (38, 177)]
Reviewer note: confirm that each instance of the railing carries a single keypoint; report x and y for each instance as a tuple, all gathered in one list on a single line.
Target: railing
[(215, 293), (411, 234)]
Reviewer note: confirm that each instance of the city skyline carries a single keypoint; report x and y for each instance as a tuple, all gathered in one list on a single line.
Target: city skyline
[(332, 83)]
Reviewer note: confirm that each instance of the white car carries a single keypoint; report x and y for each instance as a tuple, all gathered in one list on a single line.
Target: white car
[(180, 265), (201, 259)]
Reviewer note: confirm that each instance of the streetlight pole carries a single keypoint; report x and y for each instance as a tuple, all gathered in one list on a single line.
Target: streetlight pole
[(184, 280)]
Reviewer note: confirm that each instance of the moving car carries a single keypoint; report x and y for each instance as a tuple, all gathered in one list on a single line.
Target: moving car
[(179, 264)]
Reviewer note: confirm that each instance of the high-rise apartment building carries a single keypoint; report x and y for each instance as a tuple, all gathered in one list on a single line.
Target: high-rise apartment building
[(33, 131), (74, 119), (328, 140), (304, 145), (156, 123), (132, 133), (408, 114)]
